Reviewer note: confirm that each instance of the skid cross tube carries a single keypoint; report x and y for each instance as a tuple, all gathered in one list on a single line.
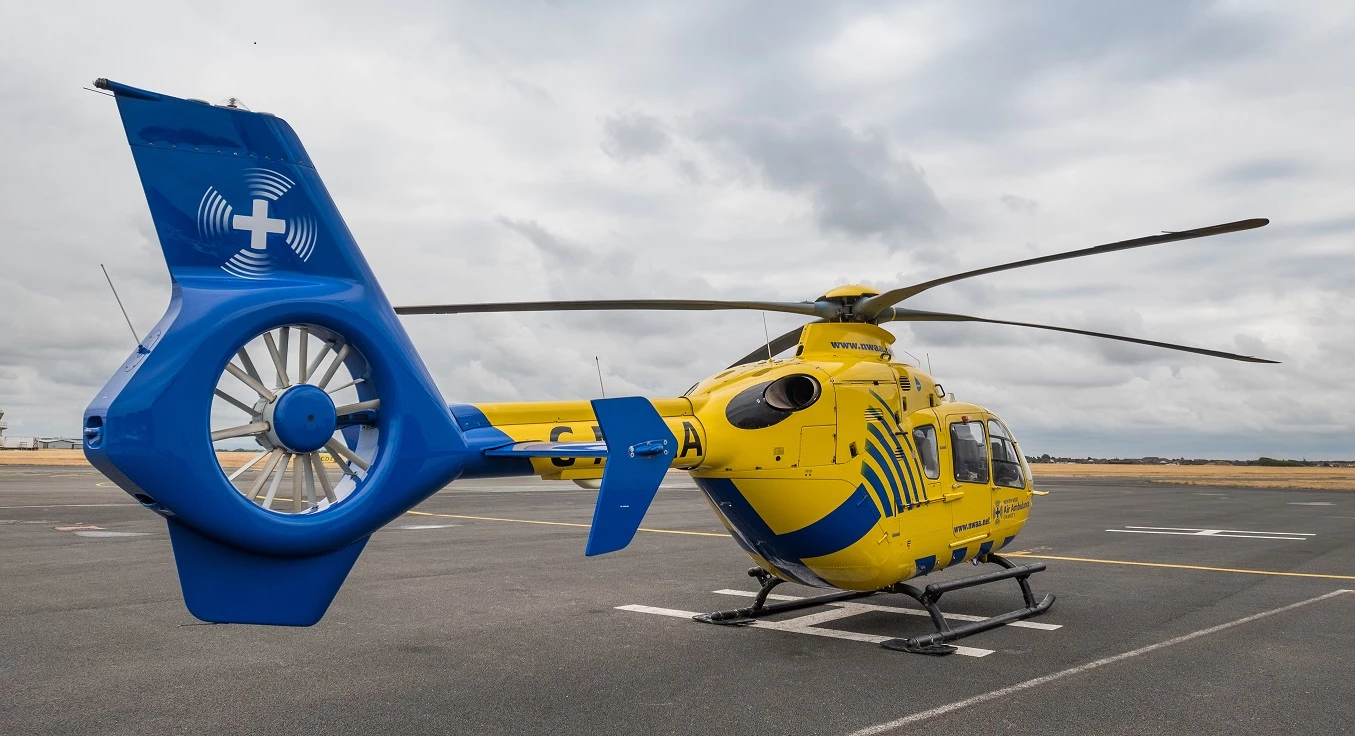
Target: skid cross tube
[(935, 644)]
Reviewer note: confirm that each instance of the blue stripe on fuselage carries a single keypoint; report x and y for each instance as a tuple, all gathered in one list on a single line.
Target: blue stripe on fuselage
[(840, 529), (880, 436), (874, 452)]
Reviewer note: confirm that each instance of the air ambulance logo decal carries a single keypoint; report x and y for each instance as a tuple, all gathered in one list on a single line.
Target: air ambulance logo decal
[(218, 219)]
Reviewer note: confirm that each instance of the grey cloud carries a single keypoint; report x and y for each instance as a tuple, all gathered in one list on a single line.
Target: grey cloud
[(1020, 205), (1263, 169), (859, 184), (633, 135), (1111, 116)]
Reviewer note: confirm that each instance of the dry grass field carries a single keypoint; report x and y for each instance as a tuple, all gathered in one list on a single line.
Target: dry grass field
[(1323, 479)]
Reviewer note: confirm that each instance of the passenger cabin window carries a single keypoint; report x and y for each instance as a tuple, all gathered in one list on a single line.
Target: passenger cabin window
[(970, 450), (924, 437), (1006, 462)]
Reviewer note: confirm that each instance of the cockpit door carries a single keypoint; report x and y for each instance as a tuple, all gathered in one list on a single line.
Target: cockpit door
[(969, 492)]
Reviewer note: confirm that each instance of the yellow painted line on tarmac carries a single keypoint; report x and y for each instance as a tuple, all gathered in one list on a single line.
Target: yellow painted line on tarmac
[(1183, 567), (561, 523)]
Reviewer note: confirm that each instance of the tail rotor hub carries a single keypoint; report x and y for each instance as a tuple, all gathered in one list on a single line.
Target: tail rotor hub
[(301, 419)]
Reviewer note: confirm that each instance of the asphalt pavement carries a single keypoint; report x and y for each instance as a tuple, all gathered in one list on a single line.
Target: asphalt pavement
[(1181, 609)]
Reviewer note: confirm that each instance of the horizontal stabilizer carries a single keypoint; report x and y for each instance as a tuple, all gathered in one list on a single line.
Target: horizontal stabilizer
[(640, 449), (550, 449), (226, 585)]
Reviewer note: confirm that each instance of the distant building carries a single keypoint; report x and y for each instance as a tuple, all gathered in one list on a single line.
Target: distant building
[(17, 443), (61, 443)]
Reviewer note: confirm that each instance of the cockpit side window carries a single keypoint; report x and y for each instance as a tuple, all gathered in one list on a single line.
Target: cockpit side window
[(969, 447), (1007, 470), (924, 436)]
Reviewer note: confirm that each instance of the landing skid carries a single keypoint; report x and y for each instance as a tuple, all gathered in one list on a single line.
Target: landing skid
[(932, 644)]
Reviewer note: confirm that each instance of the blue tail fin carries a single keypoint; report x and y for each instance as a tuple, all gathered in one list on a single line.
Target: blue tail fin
[(254, 243), (233, 193)]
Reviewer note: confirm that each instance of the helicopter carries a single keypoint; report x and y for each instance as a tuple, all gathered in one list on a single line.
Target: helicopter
[(837, 467)]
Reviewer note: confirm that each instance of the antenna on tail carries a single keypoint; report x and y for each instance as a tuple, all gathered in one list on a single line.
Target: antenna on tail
[(139, 346)]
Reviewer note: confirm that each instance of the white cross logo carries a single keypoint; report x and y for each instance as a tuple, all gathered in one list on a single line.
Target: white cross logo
[(259, 225)]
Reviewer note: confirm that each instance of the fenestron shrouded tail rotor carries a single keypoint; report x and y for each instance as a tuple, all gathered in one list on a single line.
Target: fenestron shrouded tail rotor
[(864, 305), (305, 396), (277, 339)]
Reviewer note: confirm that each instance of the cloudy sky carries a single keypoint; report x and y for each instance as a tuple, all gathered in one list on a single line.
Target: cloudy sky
[(537, 150)]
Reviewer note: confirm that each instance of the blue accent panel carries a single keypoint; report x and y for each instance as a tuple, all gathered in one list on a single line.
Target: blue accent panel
[(853, 519), (841, 528), (984, 549), (925, 564), (958, 556), (640, 448), (223, 584), (893, 460), (874, 452), (550, 449), (1006, 542), (252, 240), (918, 484), (874, 480)]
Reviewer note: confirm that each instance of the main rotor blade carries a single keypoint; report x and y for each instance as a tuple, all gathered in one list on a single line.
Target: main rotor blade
[(899, 314), (777, 344), (871, 307), (811, 309)]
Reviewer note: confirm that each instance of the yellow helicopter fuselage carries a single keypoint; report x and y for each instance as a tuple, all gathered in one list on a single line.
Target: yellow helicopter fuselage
[(837, 467)]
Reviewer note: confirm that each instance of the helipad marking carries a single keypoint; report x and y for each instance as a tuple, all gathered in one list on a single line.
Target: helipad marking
[(810, 623), (899, 609), (1240, 534)]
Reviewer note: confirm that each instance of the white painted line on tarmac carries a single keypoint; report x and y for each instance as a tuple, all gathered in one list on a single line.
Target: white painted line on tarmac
[(111, 534), (1035, 682), (660, 611), (421, 527), (896, 609), (1191, 532), (73, 506), (1311, 503)]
